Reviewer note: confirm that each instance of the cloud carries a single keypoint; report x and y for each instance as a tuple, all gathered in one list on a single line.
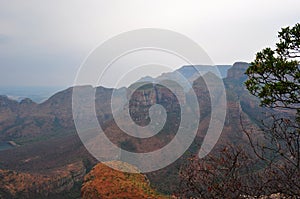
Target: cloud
[(53, 35)]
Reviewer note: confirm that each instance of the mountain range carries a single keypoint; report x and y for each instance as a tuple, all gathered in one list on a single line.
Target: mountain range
[(47, 159)]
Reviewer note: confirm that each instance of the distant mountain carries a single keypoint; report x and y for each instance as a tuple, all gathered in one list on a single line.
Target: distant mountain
[(189, 73), (35, 93), (48, 141)]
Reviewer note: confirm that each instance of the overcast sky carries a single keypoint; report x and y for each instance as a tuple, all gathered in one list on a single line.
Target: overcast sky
[(43, 43)]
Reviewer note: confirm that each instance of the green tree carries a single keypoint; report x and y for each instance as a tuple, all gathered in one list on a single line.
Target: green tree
[(274, 77)]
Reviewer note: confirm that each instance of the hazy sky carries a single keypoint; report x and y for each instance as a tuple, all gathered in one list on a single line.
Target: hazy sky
[(43, 43)]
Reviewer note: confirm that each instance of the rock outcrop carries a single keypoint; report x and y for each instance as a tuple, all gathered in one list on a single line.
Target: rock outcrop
[(104, 182)]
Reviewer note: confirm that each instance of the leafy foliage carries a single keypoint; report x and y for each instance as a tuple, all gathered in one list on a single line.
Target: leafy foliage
[(274, 76)]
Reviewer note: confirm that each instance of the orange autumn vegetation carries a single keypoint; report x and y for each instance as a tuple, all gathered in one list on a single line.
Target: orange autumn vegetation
[(107, 183)]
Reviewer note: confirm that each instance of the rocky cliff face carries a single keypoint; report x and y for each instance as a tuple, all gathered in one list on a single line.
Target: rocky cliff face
[(146, 96), (236, 72)]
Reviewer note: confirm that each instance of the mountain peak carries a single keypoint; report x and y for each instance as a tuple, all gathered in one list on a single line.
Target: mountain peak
[(27, 101), (6, 101), (237, 71)]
